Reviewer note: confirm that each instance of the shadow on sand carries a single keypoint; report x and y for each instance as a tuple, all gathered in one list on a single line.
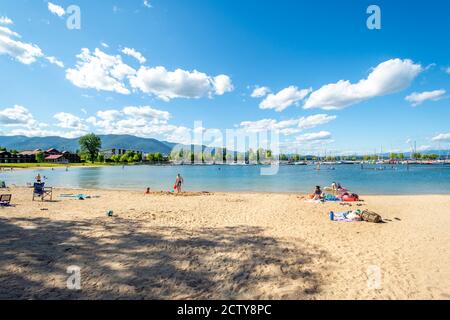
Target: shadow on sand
[(125, 259)]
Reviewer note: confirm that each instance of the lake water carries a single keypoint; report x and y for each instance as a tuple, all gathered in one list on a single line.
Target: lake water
[(433, 179)]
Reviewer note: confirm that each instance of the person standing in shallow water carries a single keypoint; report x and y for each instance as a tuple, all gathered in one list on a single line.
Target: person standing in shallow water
[(178, 182)]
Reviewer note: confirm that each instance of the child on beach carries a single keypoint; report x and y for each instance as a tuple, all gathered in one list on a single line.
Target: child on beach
[(147, 191), (178, 182)]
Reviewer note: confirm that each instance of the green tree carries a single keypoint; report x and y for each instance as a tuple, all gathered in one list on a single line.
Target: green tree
[(124, 158), (90, 145), (40, 157), (150, 157), (100, 158), (115, 158), (137, 157)]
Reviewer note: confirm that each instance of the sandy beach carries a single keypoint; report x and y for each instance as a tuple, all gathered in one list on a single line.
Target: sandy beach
[(222, 246)]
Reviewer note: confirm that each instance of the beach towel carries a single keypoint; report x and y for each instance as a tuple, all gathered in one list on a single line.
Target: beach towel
[(313, 201), (330, 197), (343, 217), (75, 196)]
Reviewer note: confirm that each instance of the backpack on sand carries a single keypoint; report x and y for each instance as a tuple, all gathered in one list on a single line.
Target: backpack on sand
[(369, 216)]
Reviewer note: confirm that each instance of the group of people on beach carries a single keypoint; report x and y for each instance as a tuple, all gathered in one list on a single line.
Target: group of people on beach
[(319, 194)]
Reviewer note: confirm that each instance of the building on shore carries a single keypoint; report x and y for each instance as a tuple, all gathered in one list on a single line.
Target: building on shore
[(50, 156)]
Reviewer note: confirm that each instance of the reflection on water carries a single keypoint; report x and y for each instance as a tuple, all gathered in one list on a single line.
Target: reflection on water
[(396, 180)]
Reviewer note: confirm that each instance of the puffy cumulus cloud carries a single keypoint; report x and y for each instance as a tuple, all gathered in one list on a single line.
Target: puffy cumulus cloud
[(286, 127), (314, 136), (147, 4), (417, 98), (222, 84), (16, 116), (260, 92), (135, 54), (442, 137), (147, 112), (134, 120), (55, 61), (167, 85), (284, 98), (5, 20), (18, 120), (100, 71), (56, 9), (25, 53), (70, 121), (388, 77), (315, 120)]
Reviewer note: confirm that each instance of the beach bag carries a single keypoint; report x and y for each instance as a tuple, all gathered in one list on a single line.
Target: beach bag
[(369, 216)]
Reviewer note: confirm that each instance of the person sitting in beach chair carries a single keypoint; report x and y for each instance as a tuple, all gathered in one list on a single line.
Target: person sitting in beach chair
[(5, 200), (42, 192)]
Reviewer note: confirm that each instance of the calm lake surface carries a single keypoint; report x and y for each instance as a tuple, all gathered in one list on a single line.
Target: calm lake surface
[(419, 179)]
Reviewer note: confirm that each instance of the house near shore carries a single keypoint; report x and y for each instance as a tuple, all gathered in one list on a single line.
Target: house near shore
[(50, 156)]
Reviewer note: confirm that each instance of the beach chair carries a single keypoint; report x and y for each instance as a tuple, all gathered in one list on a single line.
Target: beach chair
[(39, 191), (5, 200)]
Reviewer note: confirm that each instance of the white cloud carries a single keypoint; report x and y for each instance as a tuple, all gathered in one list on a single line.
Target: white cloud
[(222, 84), (134, 120), (55, 61), (56, 9), (104, 44), (70, 121), (5, 20), (167, 85), (147, 4), (417, 98), (443, 137), (285, 98), (100, 71), (448, 70), (260, 92), (388, 77), (23, 52), (17, 115), (315, 120), (286, 127), (135, 54), (314, 136)]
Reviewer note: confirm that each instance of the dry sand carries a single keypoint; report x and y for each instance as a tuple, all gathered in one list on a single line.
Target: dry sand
[(223, 246)]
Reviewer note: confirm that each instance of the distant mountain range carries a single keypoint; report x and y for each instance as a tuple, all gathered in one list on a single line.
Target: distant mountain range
[(127, 142)]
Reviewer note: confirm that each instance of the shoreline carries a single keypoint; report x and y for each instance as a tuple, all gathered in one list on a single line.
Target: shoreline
[(155, 191)]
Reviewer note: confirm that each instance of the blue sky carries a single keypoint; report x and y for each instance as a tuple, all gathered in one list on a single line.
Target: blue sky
[(325, 80)]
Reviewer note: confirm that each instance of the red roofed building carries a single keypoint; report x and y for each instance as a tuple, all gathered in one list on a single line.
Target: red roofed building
[(56, 158)]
